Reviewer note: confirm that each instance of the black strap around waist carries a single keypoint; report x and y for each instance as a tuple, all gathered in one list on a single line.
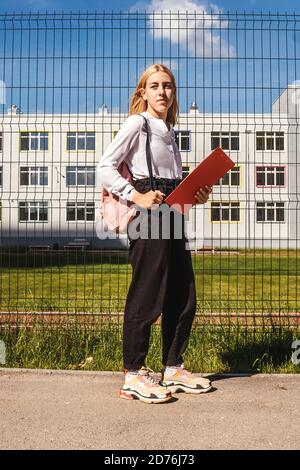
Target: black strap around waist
[(165, 185)]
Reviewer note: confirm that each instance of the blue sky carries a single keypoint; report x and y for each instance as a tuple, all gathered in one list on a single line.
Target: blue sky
[(124, 5), (223, 69)]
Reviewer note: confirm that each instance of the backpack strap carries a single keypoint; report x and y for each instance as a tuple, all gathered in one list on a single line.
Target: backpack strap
[(148, 154)]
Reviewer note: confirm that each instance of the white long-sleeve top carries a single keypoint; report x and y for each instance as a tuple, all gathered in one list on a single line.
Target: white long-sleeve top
[(130, 145)]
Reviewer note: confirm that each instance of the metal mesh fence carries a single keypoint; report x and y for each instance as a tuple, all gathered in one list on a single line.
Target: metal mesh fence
[(66, 79)]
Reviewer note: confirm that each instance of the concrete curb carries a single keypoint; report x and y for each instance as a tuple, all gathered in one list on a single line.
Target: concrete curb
[(12, 370)]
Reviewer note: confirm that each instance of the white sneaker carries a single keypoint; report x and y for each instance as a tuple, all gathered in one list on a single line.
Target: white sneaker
[(143, 386), (178, 379)]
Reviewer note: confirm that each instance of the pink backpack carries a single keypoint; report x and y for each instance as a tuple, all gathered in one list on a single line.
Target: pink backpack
[(116, 212)]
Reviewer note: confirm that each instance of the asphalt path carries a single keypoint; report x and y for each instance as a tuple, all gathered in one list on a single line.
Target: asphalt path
[(46, 409)]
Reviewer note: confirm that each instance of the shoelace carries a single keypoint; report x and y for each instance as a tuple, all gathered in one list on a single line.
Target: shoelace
[(187, 372), (148, 377), (182, 368)]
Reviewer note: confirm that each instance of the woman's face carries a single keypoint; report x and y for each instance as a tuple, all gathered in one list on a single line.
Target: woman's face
[(159, 94)]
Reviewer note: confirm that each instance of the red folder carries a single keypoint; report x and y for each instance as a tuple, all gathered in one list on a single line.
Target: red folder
[(208, 172)]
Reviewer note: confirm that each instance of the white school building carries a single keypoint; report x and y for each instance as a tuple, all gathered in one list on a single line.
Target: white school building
[(49, 193)]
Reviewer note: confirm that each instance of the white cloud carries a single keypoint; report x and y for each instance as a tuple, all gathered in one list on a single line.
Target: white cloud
[(174, 65), (194, 26), (2, 92)]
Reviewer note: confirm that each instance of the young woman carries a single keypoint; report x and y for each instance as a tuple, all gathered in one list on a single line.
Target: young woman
[(163, 279)]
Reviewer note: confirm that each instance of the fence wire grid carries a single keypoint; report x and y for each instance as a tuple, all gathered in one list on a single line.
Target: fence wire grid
[(65, 84)]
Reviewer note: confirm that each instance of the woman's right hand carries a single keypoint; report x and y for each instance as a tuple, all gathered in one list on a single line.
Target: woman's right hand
[(149, 199)]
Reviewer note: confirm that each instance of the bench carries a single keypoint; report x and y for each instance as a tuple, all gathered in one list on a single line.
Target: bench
[(77, 244), (205, 249), (39, 247)]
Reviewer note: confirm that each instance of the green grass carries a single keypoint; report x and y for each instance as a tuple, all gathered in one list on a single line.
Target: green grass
[(251, 281), (231, 349)]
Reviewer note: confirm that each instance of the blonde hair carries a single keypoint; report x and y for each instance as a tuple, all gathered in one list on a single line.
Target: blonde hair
[(138, 105)]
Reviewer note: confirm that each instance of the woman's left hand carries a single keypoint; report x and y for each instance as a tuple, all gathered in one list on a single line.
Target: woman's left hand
[(202, 195)]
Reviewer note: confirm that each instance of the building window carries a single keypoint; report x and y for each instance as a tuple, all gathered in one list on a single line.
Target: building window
[(270, 176), (0, 211), (81, 175), (225, 211), (80, 140), (185, 171), (0, 175), (270, 212), (1, 141), (33, 211), (225, 140), (80, 211), (34, 176), (34, 141), (232, 178), (183, 140), (269, 140)]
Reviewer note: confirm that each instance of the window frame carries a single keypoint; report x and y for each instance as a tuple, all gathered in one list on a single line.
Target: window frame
[(78, 205), (178, 139), (186, 169), (220, 183), (266, 135), (77, 136), (30, 139), (86, 171), (34, 170), (274, 204), (266, 174), (231, 135), (31, 204), (231, 205)]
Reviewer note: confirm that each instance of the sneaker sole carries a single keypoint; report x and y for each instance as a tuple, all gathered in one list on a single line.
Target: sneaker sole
[(183, 388), (133, 395)]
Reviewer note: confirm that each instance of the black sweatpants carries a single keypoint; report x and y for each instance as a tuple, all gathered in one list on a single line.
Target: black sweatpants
[(162, 283)]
